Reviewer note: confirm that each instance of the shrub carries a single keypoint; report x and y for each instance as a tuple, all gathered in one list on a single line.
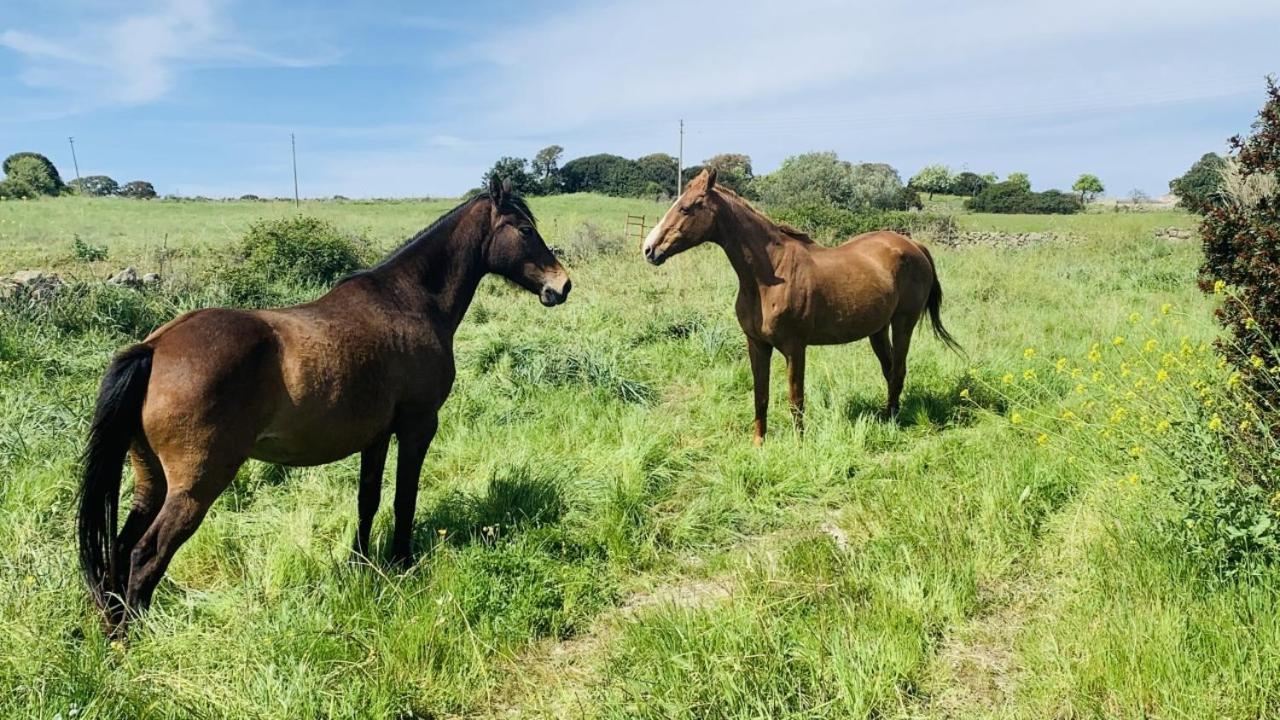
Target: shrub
[(1197, 188), (658, 174), (300, 249), (546, 169), (84, 252), (35, 172), (832, 224), (1012, 197), (1241, 237), (733, 170), (808, 179), (94, 186), (877, 186), (138, 190)]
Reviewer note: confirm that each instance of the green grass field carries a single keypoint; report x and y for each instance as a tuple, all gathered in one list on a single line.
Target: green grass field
[(597, 537)]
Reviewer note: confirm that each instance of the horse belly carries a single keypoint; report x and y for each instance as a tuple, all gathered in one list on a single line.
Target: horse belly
[(302, 435)]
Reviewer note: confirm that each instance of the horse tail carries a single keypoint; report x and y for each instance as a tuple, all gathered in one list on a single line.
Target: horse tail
[(934, 304), (117, 420)]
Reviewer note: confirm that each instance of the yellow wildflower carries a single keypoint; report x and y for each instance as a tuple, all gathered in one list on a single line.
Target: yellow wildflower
[(964, 393), (1163, 426), (1133, 478), (1165, 308), (1256, 362), (1061, 365), (1136, 451), (1094, 355), (1150, 345), (1007, 379), (1135, 318), (1016, 418), (1215, 422), (1117, 340), (1218, 287), (1042, 439), (1029, 353), (1028, 374), (1244, 425), (1162, 375), (1079, 388)]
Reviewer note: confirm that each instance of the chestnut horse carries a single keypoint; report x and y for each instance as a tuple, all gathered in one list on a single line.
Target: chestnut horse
[(303, 385), (793, 293)]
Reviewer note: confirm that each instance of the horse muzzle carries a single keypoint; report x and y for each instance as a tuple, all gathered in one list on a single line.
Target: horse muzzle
[(551, 297)]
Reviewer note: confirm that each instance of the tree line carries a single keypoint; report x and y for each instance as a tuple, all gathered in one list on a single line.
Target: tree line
[(32, 175)]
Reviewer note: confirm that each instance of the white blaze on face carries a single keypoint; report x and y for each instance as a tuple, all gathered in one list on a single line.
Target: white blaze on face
[(655, 235)]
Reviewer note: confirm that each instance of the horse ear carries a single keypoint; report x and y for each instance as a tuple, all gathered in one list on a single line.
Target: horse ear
[(495, 187), (711, 178)]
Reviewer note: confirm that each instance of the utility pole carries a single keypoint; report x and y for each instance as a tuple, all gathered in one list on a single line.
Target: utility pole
[(73, 157), (293, 147), (680, 163)]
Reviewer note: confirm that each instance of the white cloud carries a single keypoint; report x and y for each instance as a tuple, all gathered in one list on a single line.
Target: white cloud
[(135, 58)]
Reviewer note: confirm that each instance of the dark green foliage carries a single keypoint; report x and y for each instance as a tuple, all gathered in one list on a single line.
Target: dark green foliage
[(1242, 250), (733, 170), (32, 174), (658, 172), (300, 249), (605, 174), (84, 252), (907, 198), (1013, 197), (833, 224), (515, 170), (968, 184), (94, 186), (138, 190), (1197, 189)]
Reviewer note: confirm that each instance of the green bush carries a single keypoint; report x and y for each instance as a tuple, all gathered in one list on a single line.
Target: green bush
[(32, 174), (84, 252), (1197, 188), (138, 190), (94, 186), (301, 249), (828, 223), (1013, 197)]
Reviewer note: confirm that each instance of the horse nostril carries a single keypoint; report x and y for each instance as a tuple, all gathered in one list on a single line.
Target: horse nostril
[(564, 292)]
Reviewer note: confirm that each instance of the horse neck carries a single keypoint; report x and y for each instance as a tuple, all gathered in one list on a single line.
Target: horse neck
[(437, 274), (755, 247)]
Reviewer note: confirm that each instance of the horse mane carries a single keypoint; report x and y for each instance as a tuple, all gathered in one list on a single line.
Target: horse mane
[(512, 204), (783, 228)]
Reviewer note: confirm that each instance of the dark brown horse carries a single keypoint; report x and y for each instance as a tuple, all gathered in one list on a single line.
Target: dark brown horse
[(793, 293), (303, 385)]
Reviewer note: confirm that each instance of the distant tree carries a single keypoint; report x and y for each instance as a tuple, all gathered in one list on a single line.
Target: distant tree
[(94, 186), (1197, 189), (968, 184), (733, 170), (33, 172), (875, 185), (991, 178), (932, 179), (818, 177), (1020, 179), (515, 170), (1089, 187), (1137, 196), (138, 190), (659, 169), (604, 173), (546, 168), (694, 171), (1012, 197), (908, 198)]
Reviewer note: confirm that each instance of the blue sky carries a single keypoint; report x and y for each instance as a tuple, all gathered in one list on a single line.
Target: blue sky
[(415, 98)]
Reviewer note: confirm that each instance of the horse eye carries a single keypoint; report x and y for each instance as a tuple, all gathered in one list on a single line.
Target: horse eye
[(686, 210), (526, 231)]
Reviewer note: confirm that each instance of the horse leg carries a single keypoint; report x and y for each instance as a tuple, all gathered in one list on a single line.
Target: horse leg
[(193, 487), (902, 329), (884, 352), (413, 450), (372, 462), (149, 487), (795, 385), (760, 354)]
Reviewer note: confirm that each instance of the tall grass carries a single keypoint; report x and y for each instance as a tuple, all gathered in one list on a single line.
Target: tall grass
[(598, 537)]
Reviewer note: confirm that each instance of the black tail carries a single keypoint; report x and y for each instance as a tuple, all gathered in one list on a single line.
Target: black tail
[(117, 420), (935, 307)]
